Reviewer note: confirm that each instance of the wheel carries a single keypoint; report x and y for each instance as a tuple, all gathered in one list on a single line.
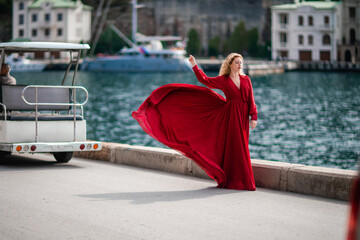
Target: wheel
[(63, 157)]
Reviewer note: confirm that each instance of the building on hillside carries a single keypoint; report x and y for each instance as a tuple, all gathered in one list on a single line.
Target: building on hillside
[(210, 18), (306, 31), (51, 20), (349, 49)]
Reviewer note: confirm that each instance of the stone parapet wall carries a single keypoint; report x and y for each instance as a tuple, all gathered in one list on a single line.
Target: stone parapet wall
[(316, 181)]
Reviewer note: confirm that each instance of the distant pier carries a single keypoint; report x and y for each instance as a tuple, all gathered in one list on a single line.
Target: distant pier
[(263, 67), (252, 67), (328, 66)]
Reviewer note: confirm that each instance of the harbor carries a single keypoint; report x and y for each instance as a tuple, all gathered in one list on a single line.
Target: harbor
[(308, 118), (107, 133), (252, 67)]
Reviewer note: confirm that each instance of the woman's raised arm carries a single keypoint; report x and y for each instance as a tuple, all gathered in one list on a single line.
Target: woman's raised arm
[(211, 82)]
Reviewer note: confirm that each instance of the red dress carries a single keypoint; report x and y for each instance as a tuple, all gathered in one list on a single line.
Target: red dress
[(205, 127)]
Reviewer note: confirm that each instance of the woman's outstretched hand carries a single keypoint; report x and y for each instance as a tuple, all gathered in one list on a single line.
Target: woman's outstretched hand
[(253, 124), (192, 60)]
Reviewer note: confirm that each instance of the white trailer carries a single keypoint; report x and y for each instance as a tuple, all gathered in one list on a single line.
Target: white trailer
[(44, 118)]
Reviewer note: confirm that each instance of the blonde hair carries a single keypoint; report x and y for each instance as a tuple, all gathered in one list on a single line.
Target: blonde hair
[(225, 66)]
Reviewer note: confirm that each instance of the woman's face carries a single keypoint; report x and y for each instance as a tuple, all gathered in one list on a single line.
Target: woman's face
[(236, 65)]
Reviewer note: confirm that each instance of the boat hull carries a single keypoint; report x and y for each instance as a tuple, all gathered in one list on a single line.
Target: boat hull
[(28, 67)]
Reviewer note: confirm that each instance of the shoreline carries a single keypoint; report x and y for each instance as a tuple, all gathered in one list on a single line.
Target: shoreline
[(252, 67), (264, 67)]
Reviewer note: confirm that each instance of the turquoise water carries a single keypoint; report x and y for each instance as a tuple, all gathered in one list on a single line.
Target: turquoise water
[(311, 118)]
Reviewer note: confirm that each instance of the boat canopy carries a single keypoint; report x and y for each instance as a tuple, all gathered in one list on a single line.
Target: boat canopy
[(42, 46)]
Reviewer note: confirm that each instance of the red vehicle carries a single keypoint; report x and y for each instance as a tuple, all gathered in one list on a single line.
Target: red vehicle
[(354, 221)]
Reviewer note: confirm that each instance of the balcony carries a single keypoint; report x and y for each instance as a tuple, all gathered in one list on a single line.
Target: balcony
[(42, 24), (283, 44), (283, 25)]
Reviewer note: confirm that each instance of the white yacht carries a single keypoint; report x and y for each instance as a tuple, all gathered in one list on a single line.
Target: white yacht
[(22, 64), (145, 54), (147, 57)]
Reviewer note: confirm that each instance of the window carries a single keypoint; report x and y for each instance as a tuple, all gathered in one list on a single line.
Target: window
[(326, 40), (301, 39), (300, 21), (34, 17), (283, 18), (79, 32), (59, 17), (79, 17), (59, 32), (47, 32), (310, 20), (352, 36), (34, 33), (283, 54), (21, 19), (325, 55), (326, 20), (47, 17), (21, 32), (21, 6), (352, 12), (311, 39), (283, 37)]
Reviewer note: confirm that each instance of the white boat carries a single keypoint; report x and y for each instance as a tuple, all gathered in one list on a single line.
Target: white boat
[(145, 54), (142, 58), (21, 64)]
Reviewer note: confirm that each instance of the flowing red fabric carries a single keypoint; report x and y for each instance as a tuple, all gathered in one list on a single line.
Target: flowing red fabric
[(205, 127)]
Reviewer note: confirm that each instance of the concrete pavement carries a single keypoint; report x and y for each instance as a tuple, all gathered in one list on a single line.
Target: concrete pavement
[(86, 199)]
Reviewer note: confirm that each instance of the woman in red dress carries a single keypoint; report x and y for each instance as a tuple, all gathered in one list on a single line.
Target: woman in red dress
[(205, 127)]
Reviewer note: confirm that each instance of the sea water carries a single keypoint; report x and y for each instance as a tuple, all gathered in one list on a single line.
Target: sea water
[(310, 118)]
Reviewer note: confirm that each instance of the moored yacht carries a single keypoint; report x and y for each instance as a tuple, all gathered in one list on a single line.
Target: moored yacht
[(149, 57), (145, 53), (21, 64)]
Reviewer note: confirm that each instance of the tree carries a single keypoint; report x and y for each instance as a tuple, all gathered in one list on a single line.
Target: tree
[(253, 38), (238, 41), (5, 24), (214, 45), (5, 7), (109, 42), (193, 45), (246, 42)]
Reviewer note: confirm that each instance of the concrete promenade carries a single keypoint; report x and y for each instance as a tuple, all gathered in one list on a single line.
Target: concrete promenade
[(86, 199)]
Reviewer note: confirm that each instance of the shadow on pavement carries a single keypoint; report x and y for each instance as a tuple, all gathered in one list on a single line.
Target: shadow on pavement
[(164, 196), (27, 162)]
